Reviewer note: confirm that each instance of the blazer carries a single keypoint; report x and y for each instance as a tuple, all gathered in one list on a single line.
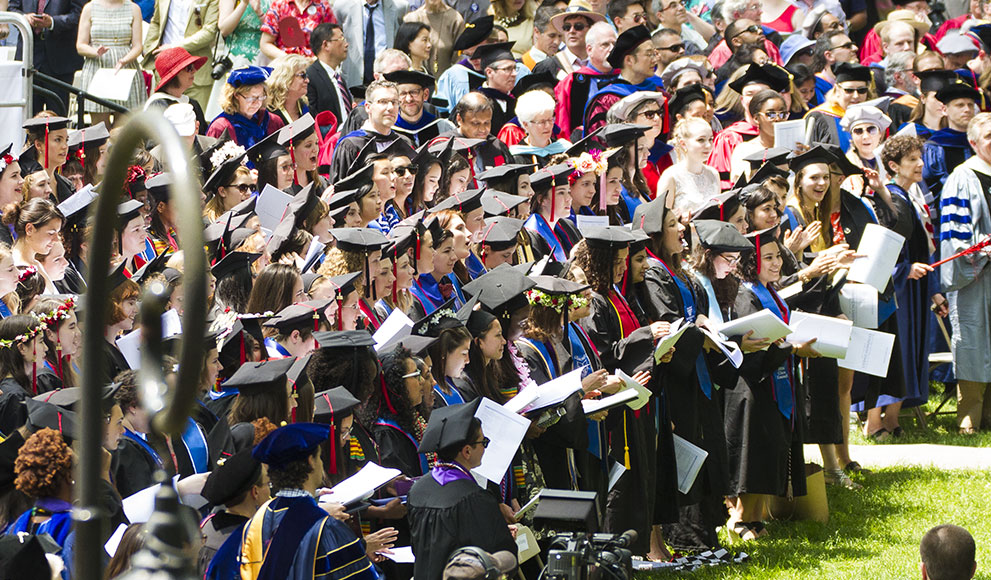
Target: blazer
[(55, 49), (349, 15), (322, 93), (201, 33)]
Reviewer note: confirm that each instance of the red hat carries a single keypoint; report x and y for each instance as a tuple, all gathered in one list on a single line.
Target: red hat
[(170, 61)]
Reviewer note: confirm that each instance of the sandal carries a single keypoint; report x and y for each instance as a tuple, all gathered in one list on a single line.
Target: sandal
[(854, 467), (837, 477), (880, 436), (743, 531), (898, 432)]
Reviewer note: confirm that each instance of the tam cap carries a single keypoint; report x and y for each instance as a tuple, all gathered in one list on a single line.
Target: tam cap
[(248, 76), (533, 82), (721, 236), (846, 71), (934, 80), (627, 43), (290, 443), (449, 426), (475, 32), (232, 478), (721, 207), (770, 75), (411, 77)]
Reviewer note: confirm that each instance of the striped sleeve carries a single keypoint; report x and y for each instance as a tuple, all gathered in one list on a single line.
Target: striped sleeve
[(957, 229)]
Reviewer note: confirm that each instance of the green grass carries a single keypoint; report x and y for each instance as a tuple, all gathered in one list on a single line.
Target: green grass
[(872, 533)]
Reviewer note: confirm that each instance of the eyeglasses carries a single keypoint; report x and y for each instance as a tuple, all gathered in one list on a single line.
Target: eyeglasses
[(484, 442), (730, 261), (403, 169), (870, 130), (301, 74), (254, 99), (505, 68), (387, 102), (673, 48), (775, 115), (242, 187), (858, 90), (851, 45), (640, 16), (409, 94), (651, 114), (576, 26)]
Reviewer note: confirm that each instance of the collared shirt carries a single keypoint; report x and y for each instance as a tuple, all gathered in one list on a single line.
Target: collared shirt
[(335, 77), (176, 21), (293, 493), (316, 13), (378, 21), (576, 62)]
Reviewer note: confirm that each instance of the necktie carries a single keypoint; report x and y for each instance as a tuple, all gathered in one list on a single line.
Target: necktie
[(370, 43), (345, 94), (41, 6)]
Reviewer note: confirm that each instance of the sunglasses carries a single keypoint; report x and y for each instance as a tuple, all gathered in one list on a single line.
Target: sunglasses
[(242, 187), (673, 47), (851, 45), (753, 29), (403, 169), (652, 114), (870, 130), (858, 90), (776, 115), (576, 26), (484, 442)]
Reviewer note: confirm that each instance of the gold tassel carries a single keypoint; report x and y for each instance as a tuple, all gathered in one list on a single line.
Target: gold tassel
[(626, 445)]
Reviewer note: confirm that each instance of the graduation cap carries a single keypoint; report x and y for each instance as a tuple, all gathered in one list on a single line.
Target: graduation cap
[(931, 81), (762, 238), (464, 202), (290, 443), (494, 52), (128, 211), (544, 179), (332, 404), (88, 137), (357, 179), (649, 216), (773, 155), (43, 415), (721, 236), (846, 71), (366, 240), (232, 478), (769, 75), (765, 172), (282, 235), (627, 43), (558, 286), (414, 343), (449, 426), (248, 76), (69, 398), (232, 348), (302, 205), (443, 318), (340, 200), (982, 33), (476, 31), (245, 208), (683, 97), (297, 375), (117, 276), (266, 149), (296, 132), (817, 154), (958, 90), (160, 187), (619, 134), (224, 173), (721, 207), (29, 162), (841, 161), (345, 283), (592, 140), (446, 147), (257, 377), (533, 82), (639, 243), (479, 321), (152, 266), (504, 171), (501, 290), (170, 344), (344, 339), (608, 237), (297, 317), (500, 233), (499, 203), (48, 124), (411, 77)]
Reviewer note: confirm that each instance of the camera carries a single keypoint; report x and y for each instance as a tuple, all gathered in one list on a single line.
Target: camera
[(221, 67)]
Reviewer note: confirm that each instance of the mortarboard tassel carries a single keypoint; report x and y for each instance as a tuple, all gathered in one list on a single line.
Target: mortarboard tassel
[(332, 467), (46, 145), (603, 202), (385, 394), (758, 253), (292, 156), (395, 283)]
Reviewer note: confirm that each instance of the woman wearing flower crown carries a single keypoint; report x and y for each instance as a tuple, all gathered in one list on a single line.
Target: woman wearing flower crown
[(11, 187), (63, 339), (584, 182), (22, 353)]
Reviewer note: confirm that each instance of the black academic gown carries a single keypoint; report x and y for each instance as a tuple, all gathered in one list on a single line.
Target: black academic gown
[(503, 107), (135, 467), (13, 413), (765, 455), (445, 518), (115, 362)]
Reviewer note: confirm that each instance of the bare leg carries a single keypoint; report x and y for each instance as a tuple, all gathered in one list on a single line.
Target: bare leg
[(873, 424), (658, 550), (845, 386), (829, 460), (891, 412)]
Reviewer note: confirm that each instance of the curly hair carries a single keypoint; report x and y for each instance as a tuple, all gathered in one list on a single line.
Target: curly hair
[(727, 288), (292, 475), (262, 428), (356, 371), (284, 71), (127, 395), (597, 263), (393, 369), (43, 465), (747, 269), (896, 148), (543, 323)]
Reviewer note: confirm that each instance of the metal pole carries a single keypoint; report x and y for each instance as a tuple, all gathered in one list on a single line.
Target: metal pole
[(186, 201)]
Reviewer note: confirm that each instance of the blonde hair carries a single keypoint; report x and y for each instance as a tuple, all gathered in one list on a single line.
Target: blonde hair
[(29, 182), (284, 70), (684, 129), (227, 97), (728, 101), (214, 207), (12, 300)]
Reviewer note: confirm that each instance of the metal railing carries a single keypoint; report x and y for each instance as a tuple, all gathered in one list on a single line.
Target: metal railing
[(82, 96), (169, 413)]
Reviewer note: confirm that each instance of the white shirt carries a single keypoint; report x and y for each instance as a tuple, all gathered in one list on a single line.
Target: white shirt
[(335, 77), (176, 21)]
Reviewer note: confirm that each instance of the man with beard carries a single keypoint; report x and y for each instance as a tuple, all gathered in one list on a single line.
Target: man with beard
[(416, 123)]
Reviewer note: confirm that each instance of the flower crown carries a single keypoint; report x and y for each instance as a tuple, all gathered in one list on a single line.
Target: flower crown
[(26, 273), (225, 153), (555, 302), (27, 336), (441, 314), (52, 318), (592, 161), (6, 160), (135, 173)]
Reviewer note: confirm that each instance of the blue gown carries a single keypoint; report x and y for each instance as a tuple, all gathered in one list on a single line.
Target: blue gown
[(938, 161)]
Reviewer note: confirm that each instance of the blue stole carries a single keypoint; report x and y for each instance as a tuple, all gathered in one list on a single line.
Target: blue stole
[(426, 288), (388, 219), (196, 445), (247, 131), (781, 377), (224, 565), (58, 526), (475, 266), (4, 310), (537, 223), (714, 312), (302, 513), (550, 361), (386, 422), (386, 307), (581, 360), (148, 254), (583, 210), (454, 398), (951, 138), (426, 118), (691, 313), (629, 202), (144, 445), (274, 349), (844, 135)]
